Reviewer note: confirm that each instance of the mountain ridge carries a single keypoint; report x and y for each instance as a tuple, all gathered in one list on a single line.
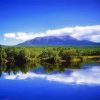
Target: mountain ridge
[(56, 41)]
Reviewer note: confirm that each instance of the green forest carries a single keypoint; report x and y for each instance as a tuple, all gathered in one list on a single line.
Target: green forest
[(22, 54), (21, 58)]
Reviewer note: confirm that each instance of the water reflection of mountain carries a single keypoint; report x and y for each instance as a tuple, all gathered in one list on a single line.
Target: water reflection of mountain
[(47, 67)]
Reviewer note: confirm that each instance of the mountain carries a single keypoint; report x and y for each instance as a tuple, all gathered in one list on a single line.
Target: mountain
[(56, 41)]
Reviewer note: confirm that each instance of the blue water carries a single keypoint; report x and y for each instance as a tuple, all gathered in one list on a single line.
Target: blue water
[(78, 84)]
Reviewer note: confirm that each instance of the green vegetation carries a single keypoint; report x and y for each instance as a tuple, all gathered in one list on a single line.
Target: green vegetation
[(15, 59), (49, 54)]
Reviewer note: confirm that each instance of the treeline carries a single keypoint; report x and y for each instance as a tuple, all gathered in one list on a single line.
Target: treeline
[(45, 54)]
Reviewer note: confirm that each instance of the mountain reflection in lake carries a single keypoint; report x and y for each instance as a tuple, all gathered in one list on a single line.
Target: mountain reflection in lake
[(50, 81)]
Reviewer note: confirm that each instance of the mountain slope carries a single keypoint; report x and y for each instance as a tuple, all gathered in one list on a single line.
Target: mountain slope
[(56, 41)]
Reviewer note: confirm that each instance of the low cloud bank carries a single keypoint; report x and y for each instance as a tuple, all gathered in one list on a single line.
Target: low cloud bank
[(91, 33)]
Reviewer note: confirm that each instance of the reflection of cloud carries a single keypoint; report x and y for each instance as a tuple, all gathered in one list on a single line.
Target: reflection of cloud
[(82, 76), (79, 32), (21, 76)]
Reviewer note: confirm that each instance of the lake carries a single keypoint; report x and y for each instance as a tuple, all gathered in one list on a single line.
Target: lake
[(67, 81)]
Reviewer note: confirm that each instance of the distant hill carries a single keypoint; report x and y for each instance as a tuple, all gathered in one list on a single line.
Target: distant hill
[(57, 41)]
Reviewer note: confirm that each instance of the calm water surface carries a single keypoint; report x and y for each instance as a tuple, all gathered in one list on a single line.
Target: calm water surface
[(49, 83)]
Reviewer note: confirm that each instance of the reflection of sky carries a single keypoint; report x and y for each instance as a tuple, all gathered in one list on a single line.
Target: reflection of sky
[(37, 85), (80, 76)]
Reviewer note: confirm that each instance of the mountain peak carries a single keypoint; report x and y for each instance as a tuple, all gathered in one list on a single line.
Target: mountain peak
[(56, 41)]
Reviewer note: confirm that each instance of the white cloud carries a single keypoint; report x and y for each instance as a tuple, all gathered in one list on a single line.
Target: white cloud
[(95, 38), (81, 76), (9, 35), (22, 35), (91, 33)]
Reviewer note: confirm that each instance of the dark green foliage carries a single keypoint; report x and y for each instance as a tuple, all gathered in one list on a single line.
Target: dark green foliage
[(3, 54), (38, 54), (22, 56)]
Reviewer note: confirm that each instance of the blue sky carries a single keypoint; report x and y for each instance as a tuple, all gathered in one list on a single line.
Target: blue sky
[(38, 16)]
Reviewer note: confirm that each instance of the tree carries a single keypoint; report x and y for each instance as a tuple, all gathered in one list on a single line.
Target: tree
[(65, 55), (23, 56), (0, 52), (3, 55)]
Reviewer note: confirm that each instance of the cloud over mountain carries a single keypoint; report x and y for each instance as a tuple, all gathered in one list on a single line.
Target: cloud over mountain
[(91, 33)]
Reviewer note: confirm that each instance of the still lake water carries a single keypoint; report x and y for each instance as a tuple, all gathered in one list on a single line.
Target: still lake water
[(43, 83)]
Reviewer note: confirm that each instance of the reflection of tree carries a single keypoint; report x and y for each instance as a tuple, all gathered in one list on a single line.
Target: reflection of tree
[(71, 65), (48, 67), (3, 66), (26, 67), (18, 67), (60, 67), (0, 72)]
